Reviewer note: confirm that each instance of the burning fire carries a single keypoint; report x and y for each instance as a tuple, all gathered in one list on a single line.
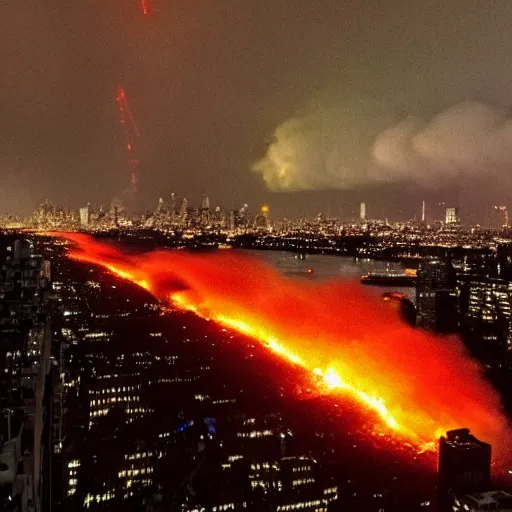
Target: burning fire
[(417, 385)]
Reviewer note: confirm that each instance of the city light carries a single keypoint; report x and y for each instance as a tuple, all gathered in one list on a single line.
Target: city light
[(417, 385)]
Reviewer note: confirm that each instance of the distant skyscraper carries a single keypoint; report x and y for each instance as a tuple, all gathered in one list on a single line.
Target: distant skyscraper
[(232, 220), (160, 207), (504, 257), (451, 216), (205, 211), (184, 211), (261, 220), (464, 466), (85, 216), (423, 211), (431, 286), (362, 211), (243, 215), (172, 205)]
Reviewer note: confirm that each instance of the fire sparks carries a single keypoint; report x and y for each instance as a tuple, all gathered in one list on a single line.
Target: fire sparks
[(416, 385)]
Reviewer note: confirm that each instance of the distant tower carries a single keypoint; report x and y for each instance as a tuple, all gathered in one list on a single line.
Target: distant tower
[(172, 206), (243, 215), (85, 216), (451, 216), (362, 211), (232, 220), (184, 211), (423, 211), (505, 214), (205, 211), (161, 205), (261, 220)]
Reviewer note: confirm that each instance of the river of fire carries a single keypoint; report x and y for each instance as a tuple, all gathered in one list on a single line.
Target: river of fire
[(416, 384)]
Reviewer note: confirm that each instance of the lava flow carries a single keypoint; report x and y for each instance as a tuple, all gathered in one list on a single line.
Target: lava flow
[(417, 385)]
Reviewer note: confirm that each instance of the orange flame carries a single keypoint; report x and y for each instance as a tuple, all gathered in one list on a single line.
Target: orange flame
[(418, 385)]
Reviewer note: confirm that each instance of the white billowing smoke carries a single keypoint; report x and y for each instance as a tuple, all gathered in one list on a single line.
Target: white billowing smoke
[(353, 144)]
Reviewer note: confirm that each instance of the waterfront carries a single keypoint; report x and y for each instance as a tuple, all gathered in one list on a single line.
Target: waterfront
[(327, 267)]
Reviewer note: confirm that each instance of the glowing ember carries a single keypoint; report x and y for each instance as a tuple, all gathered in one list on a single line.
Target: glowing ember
[(418, 385)]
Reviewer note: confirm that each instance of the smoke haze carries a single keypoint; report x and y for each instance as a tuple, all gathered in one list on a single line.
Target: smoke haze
[(429, 384), (353, 144)]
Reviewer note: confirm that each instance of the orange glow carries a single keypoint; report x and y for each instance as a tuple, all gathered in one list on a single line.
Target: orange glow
[(416, 385), (145, 7)]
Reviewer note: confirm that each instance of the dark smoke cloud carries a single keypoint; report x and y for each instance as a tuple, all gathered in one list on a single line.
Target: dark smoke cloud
[(351, 144)]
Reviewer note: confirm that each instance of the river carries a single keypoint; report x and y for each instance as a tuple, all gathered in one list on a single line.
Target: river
[(325, 267)]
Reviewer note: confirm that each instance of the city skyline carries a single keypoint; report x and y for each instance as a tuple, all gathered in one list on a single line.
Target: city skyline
[(255, 256), (209, 106)]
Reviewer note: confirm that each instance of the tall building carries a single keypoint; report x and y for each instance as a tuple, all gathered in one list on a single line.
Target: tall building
[(205, 210), (85, 216), (464, 467), (451, 216), (261, 219), (172, 204), (161, 207), (435, 298), (423, 211), (184, 212), (26, 392), (206, 202), (485, 309), (362, 211), (232, 224)]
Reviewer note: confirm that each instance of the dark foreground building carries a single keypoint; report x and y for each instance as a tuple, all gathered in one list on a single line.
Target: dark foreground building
[(464, 466)]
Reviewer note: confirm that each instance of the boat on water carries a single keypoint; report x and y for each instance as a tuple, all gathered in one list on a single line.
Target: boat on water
[(390, 278)]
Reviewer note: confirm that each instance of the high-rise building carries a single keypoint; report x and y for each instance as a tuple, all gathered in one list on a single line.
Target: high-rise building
[(464, 466), (451, 216), (184, 211), (433, 294), (362, 211), (423, 211), (232, 220), (261, 219), (160, 207), (485, 309), (85, 216), (205, 210), (172, 204)]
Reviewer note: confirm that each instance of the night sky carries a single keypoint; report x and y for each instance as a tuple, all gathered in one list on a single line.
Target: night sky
[(357, 81)]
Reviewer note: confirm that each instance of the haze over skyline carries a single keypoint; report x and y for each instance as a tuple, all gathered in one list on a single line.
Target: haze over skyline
[(210, 84)]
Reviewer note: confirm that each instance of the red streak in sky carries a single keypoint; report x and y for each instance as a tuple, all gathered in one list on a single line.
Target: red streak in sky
[(417, 385), (145, 7)]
